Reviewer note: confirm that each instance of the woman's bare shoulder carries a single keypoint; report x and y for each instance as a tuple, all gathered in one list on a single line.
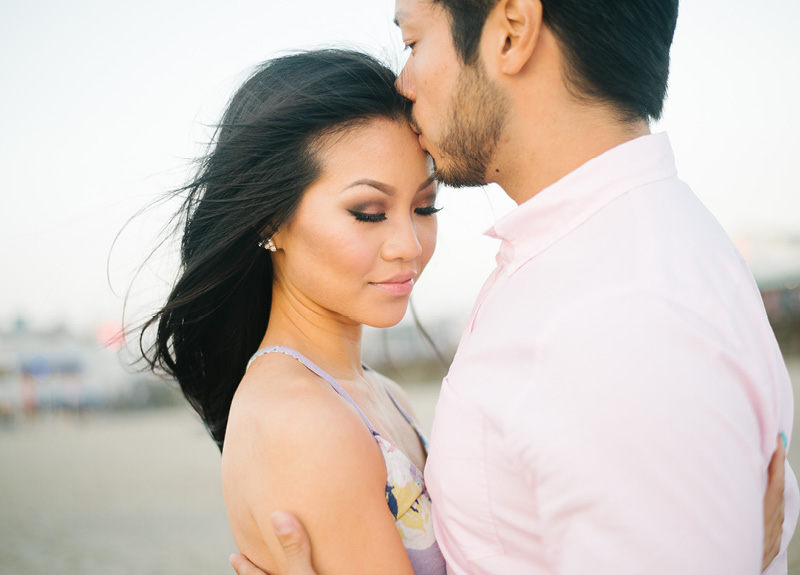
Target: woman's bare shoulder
[(293, 444), (281, 407)]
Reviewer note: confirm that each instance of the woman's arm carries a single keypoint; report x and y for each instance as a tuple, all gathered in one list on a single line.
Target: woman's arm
[(302, 449)]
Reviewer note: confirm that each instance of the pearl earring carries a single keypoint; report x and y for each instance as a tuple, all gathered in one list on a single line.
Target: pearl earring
[(267, 244)]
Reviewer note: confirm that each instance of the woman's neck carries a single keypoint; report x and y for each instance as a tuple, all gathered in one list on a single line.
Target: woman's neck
[(333, 342)]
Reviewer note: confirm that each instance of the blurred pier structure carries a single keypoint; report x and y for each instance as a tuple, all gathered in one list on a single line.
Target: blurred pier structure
[(775, 263), (58, 370)]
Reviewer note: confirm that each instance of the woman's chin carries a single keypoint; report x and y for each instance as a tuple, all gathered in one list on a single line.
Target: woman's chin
[(385, 321)]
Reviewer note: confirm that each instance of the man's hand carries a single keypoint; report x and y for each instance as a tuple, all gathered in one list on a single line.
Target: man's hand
[(296, 547), (773, 505)]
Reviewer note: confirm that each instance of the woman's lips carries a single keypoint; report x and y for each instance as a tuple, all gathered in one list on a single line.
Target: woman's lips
[(398, 287)]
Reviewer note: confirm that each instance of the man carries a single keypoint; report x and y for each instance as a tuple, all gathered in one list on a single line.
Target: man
[(615, 398)]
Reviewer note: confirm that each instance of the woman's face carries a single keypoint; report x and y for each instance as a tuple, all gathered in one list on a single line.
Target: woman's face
[(365, 230)]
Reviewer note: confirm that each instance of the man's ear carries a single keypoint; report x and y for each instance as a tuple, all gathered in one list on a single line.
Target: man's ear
[(512, 32)]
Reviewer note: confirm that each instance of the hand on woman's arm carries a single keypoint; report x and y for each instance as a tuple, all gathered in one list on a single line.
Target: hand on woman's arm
[(295, 543), (773, 506)]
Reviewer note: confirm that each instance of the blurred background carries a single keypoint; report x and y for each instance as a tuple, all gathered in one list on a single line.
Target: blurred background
[(102, 468)]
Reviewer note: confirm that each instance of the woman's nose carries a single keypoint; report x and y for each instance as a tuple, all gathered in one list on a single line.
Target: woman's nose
[(402, 244)]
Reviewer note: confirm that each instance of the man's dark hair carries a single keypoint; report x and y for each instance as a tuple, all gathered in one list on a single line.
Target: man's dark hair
[(616, 51)]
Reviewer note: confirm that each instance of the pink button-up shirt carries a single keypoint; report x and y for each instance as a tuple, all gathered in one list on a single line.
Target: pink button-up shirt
[(616, 397)]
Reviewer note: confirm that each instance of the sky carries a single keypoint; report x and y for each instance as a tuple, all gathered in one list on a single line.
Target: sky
[(106, 103)]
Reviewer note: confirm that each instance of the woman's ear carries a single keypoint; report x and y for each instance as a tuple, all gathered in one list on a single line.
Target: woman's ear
[(512, 31)]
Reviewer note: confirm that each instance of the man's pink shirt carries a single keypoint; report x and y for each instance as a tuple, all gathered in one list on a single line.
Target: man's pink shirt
[(617, 394)]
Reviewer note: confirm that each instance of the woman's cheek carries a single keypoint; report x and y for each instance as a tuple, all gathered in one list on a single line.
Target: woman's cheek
[(429, 239)]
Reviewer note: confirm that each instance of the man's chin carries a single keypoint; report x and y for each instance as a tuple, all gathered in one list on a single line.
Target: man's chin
[(458, 176), (458, 181)]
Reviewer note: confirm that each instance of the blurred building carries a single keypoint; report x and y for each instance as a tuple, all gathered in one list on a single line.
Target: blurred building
[(775, 262), (413, 351), (55, 370)]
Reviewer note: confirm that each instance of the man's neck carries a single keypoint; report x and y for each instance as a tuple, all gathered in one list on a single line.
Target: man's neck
[(537, 152)]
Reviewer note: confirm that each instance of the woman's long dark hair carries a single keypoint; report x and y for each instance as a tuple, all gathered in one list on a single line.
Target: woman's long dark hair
[(262, 158)]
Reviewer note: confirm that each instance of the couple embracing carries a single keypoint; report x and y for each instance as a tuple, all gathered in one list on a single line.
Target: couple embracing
[(617, 398)]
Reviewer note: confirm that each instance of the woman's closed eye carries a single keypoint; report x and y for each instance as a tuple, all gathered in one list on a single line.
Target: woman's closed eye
[(427, 211), (368, 216), (381, 216)]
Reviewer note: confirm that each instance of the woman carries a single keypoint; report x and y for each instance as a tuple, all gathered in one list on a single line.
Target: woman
[(313, 214)]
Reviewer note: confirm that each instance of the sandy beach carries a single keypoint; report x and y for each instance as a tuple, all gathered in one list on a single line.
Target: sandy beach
[(133, 493)]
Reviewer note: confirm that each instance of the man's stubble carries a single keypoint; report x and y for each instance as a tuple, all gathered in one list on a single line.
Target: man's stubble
[(475, 121)]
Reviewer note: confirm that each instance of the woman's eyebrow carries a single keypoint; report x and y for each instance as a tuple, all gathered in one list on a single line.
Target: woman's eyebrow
[(426, 183), (387, 189), (380, 186), (398, 17)]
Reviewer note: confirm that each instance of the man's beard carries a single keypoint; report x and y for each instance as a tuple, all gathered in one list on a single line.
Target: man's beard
[(476, 119)]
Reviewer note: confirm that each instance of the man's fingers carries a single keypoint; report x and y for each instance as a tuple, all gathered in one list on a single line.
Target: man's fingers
[(777, 463), (242, 566), (296, 546), (776, 479), (774, 503), (294, 540), (773, 500)]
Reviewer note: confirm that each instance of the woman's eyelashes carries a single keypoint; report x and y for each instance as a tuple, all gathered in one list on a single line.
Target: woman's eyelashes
[(427, 211), (381, 216), (367, 217)]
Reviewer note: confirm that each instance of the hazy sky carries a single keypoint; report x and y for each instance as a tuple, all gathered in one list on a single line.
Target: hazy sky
[(104, 103)]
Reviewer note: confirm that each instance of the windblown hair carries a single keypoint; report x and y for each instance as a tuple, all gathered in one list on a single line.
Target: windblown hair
[(264, 155), (616, 51)]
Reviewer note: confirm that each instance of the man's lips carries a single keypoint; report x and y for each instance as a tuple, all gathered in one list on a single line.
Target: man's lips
[(415, 128)]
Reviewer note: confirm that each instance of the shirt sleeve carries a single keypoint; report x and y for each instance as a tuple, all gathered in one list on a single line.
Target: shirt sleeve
[(641, 437)]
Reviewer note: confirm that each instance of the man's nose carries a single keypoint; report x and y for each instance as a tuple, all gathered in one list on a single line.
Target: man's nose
[(405, 84)]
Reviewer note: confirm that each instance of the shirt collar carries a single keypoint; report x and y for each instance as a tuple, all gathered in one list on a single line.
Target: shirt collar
[(535, 225)]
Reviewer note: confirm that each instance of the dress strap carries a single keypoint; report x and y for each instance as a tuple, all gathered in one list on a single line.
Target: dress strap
[(399, 407), (318, 371), (410, 421)]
